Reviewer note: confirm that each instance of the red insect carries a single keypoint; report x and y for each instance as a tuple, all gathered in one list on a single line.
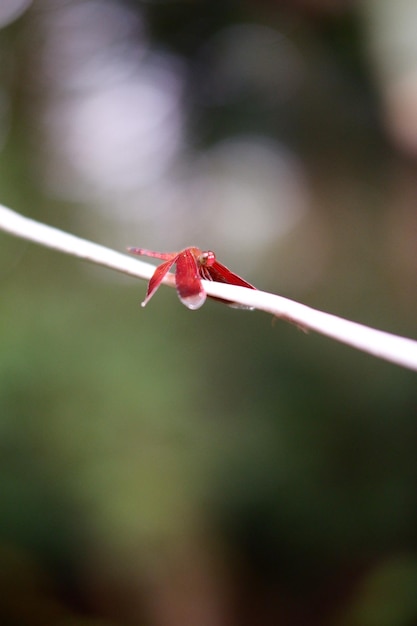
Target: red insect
[(192, 265)]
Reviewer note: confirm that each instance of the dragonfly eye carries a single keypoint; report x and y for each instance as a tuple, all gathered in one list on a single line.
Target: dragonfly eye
[(207, 258)]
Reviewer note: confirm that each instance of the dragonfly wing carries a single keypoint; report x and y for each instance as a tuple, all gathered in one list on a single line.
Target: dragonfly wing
[(222, 274), (189, 287), (157, 278)]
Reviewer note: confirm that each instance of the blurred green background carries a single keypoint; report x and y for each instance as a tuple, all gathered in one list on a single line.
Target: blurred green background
[(161, 467)]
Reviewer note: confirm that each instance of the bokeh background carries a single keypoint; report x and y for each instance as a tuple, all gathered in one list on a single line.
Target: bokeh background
[(161, 467)]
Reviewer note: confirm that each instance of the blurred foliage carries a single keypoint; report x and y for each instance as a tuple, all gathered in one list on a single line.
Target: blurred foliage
[(165, 467)]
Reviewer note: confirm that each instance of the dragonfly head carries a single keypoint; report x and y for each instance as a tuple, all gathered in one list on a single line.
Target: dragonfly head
[(207, 258)]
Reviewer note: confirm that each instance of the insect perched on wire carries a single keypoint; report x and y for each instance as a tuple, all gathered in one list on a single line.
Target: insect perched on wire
[(192, 265)]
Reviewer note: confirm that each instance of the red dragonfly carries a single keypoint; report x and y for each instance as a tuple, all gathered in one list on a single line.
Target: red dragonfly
[(192, 265)]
